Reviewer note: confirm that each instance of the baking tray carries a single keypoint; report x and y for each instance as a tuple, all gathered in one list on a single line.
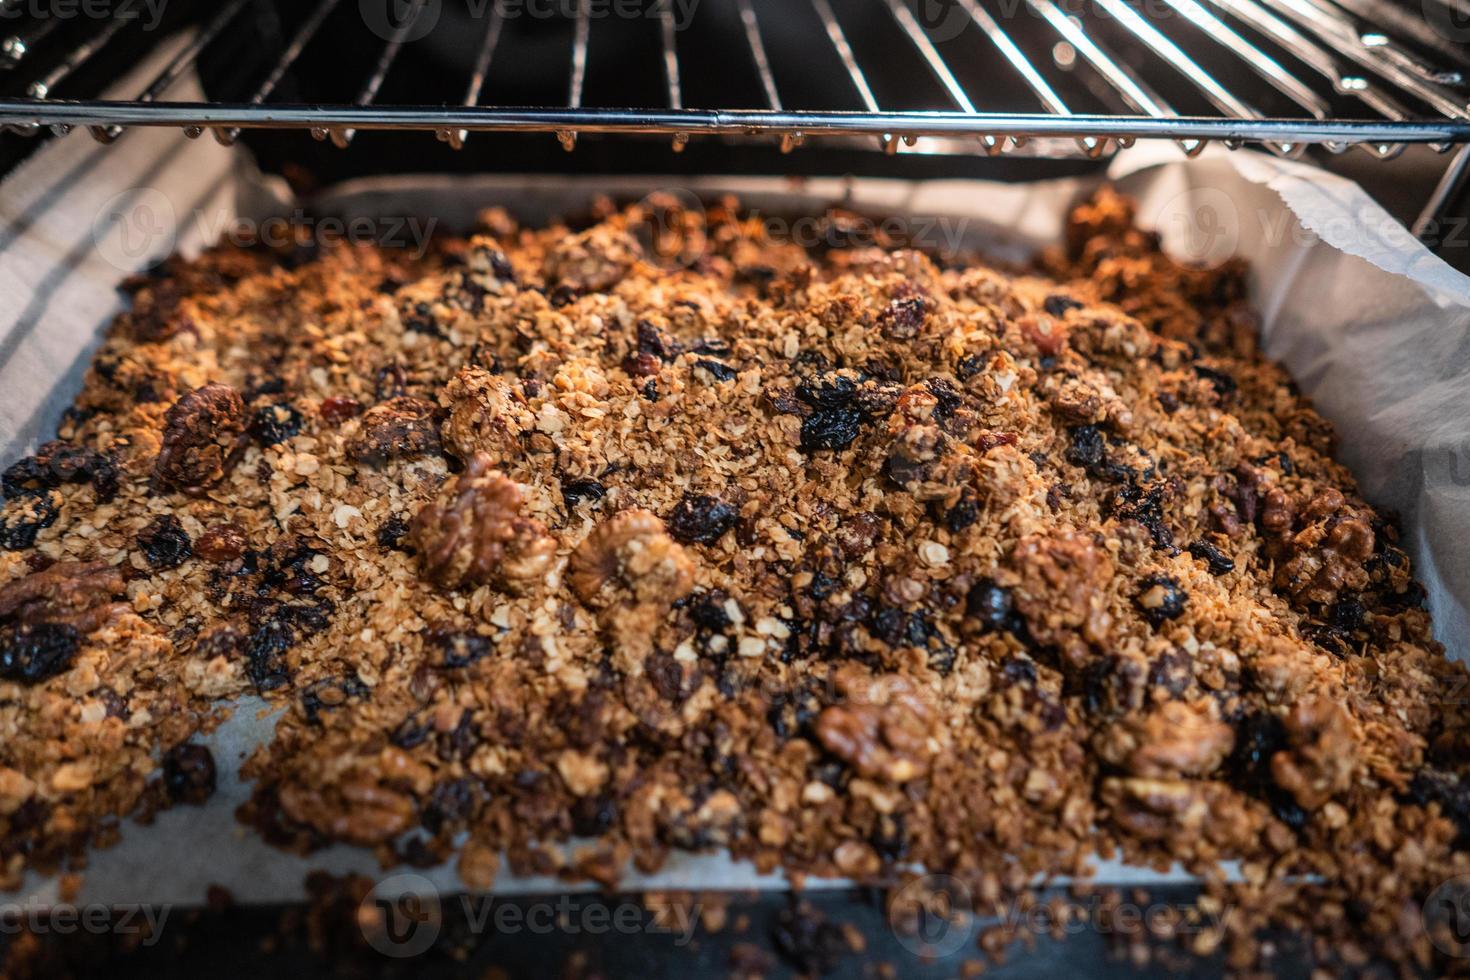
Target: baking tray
[(1386, 359)]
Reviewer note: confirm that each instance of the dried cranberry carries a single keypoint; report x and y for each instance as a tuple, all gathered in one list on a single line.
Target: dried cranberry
[(903, 318), (701, 519), (188, 774), (165, 543), (338, 409), (221, 543), (32, 652)]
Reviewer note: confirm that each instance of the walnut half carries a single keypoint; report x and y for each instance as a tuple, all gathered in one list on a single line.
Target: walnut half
[(630, 557), (631, 571), (203, 434), (474, 533)]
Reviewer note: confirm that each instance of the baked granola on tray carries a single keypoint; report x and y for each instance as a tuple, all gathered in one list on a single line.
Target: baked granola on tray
[(845, 560)]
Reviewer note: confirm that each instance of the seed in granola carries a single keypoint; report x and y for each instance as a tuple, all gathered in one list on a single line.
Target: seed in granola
[(22, 518), (202, 438), (32, 652), (1161, 599), (221, 543), (165, 543), (188, 773), (1219, 563), (274, 424), (474, 533), (701, 519)]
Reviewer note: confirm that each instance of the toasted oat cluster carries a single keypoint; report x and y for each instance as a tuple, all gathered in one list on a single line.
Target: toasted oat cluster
[(841, 559)]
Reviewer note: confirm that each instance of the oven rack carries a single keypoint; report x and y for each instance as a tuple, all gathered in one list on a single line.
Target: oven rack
[(1367, 74)]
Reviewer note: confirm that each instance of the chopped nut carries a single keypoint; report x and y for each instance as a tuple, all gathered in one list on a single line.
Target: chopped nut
[(473, 533), (203, 435)]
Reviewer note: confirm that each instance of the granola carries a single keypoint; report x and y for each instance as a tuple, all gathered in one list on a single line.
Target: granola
[(844, 560)]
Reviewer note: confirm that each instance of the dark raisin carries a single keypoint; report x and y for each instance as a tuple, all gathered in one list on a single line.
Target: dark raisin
[(462, 649), (165, 543), (1218, 562), (412, 732), (450, 804), (1171, 673), (965, 512), (331, 693), (969, 366), (58, 462), (653, 341), (1450, 791), (1019, 670), (807, 941), (717, 346), (188, 774), (666, 676), (830, 428), (274, 424), (392, 532), (420, 319), (1160, 599), (573, 492), (1145, 506), (903, 318), (993, 607), (32, 652), (650, 389), (1223, 383), (265, 652), (708, 611), (1057, 305), (720, 371), (593, 816), (22, 518), (701, 519)]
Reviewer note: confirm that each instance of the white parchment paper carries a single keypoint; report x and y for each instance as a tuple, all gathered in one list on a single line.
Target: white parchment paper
[(1374, 327)]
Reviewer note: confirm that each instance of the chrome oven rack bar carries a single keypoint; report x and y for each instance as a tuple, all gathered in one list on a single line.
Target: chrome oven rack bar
[(1403, 78)]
